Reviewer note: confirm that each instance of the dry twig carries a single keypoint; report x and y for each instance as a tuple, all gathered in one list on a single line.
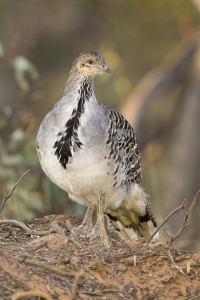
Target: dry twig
[(57, 228), (44, 244), (10, 194), (10, 244), (107, 291), (39, 294), (7, 288), (27, 229), (91, 293), (186, 220), (48, 267), (17, 223), (177, 267), (75, 285), (41, 233), (72, 236), (166, 219)]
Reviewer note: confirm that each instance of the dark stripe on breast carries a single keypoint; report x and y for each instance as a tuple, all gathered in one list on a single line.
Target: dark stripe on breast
[(69, 138)]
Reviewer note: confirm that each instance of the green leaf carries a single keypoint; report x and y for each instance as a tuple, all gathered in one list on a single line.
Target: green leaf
[(21, 66)]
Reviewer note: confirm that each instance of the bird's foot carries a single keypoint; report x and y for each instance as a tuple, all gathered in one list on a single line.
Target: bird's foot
[(91, 235), (96, 233), (99, 229), (83, 231), (86, 225), (84, 228)]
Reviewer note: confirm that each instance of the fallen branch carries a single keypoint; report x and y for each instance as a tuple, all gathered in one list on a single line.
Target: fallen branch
[(186, 220), (166, 219), (57, 228), (48, 267), (107, 291), (27, 229), (41, 233), (10, 194), (16, 223), (92, 293), (10, 244), (177, 267), (7, 288), (72, 236), (75, 285), (44, 244), (38, 294)]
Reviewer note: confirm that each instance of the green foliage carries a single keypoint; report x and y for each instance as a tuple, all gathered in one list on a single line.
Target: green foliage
[(23, 66), (35, 195), (25, 201)]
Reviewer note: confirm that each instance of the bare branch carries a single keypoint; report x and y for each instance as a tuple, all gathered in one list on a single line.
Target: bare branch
[(186, 220), (38, 294), (166, 219), (92, 293), (16, 223), (154, 81), (44, 244), (7, 288), (57, 228), (10, 194), (28, 230), (177, 267), (75, 285), (48, 267), (72, 237)]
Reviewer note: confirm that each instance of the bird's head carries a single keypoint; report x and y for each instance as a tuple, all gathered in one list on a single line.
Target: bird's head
[(89, 64)]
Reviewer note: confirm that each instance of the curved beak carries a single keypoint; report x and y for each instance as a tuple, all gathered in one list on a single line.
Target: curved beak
[(106, 69)]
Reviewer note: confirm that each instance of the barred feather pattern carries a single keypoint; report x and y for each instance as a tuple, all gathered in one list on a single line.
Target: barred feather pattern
[(124, 148)]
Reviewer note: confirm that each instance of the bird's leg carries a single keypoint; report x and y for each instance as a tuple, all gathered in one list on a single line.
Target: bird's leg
[(99, 228), (100, 220), (87, 225), (88, 218)]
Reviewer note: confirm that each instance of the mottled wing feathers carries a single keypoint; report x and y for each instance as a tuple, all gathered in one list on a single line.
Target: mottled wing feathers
[(123, 147)]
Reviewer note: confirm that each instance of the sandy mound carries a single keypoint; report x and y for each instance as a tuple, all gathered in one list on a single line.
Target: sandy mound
[(54, 267)]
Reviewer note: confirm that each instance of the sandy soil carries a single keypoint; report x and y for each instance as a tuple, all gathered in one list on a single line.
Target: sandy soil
[(53, 266)]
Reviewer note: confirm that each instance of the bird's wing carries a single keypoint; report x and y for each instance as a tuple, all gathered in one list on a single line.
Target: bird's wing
[(123, 146), (124, 149)]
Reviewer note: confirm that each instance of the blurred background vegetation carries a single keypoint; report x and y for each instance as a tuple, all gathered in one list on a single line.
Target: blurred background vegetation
[(153, 50)]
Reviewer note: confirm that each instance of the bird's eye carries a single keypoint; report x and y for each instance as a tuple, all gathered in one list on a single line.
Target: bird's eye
[(90, 62)]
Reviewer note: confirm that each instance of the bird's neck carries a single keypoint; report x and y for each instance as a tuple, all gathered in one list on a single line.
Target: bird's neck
[(79, 84)]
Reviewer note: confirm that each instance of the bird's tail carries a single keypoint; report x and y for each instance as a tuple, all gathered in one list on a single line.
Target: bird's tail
[(134, 218)]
